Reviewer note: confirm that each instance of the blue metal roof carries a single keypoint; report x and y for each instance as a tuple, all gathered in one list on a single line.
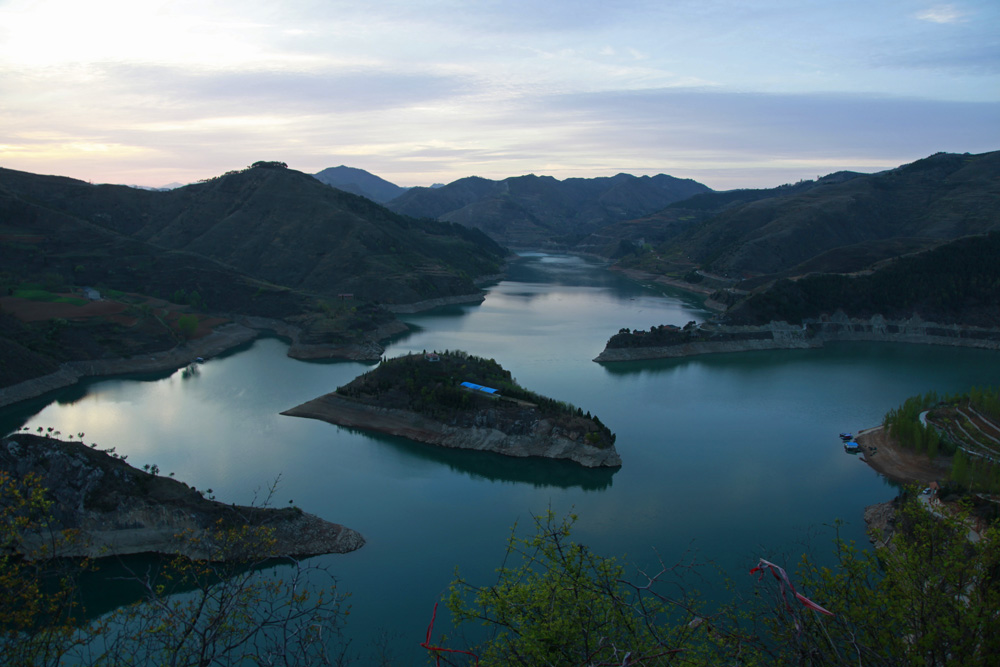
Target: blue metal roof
[(479, 387)]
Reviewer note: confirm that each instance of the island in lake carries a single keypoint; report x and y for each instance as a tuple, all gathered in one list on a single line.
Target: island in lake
[(457, 400)]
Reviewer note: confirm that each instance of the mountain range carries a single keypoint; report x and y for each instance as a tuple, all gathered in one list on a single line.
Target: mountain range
[(274, 242), (271, 225), (523, 211), (541, 211)]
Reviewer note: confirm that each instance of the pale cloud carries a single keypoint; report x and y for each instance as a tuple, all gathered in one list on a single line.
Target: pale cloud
[(942, 14), (420, 91)]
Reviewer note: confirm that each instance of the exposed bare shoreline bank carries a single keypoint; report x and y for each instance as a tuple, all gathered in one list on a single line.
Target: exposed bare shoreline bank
[(886, 457), (813, 334), (241, 330), (545, 439)]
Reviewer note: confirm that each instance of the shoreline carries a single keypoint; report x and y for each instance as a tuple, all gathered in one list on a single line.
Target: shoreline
[(222, 339), (239, 330)]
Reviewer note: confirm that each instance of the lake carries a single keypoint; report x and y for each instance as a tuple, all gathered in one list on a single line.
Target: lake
[(732, 456)]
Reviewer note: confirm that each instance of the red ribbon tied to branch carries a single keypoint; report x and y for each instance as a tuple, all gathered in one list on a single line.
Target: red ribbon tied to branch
[(783, 581), (437, 649)]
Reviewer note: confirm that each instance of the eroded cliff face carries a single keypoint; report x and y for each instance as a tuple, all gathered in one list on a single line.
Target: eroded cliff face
[(519, 432), (119, 510), (715, 338)]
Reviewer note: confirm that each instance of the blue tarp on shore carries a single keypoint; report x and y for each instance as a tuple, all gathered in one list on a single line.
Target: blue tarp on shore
[(479, 387)]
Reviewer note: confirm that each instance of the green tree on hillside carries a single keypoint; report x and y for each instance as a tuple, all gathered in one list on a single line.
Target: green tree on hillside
[(929, 598), (187, 325)]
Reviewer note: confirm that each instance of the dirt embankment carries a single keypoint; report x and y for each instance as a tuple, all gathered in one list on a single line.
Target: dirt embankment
[(884, 455)]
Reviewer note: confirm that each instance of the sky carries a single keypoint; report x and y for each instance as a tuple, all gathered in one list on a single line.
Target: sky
[(731, 93)]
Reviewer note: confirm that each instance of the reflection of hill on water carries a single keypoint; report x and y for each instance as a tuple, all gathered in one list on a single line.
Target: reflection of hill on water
[(751, 362), (536, 471), (116, 581)]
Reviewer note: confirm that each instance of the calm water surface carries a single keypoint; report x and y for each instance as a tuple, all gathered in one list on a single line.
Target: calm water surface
[(732, 456)]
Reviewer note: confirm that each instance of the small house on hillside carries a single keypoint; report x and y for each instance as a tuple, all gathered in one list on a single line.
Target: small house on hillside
[(91, 293)]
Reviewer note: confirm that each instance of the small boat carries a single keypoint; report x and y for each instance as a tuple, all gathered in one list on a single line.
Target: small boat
[(846, 436), (851, 447)]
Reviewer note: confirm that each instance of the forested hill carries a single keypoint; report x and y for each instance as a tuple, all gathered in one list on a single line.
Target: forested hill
[(535, 211), (955, 283), (643, 242), (267, 223), (919, 205), (839, 224)]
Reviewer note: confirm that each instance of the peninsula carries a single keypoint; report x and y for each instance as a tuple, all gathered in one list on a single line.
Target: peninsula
[(945, 296), (114, 509), (668, 341), (457, 400)]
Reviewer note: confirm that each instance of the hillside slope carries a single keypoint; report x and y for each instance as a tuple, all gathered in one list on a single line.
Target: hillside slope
[(268, 224)]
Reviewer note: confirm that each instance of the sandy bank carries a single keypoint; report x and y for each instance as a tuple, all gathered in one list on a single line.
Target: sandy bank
[(906, 466)]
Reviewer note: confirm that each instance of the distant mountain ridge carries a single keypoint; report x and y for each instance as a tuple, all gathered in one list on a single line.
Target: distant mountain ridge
[(360, 182), (623, 238), (540, 211)]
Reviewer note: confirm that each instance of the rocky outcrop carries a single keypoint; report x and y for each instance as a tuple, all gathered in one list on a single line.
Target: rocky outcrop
[(529, 435), (115, 509), (881, 522), (709, 338)]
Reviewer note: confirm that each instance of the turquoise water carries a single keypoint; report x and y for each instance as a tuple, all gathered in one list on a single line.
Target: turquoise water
[(732, 456)]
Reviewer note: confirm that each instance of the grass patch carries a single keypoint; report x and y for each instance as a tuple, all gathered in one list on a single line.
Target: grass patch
[(45, 295)]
